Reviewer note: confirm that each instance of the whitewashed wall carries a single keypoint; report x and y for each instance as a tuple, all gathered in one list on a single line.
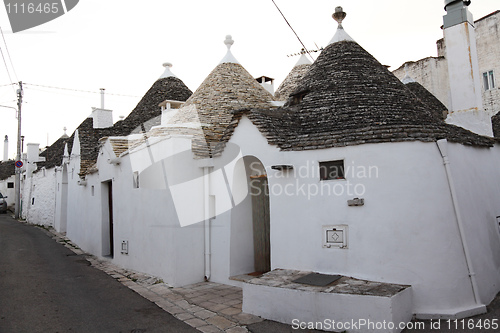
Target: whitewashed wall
[(144, 217), (476, 176), (61, 198), (39, 197), (9, 192)]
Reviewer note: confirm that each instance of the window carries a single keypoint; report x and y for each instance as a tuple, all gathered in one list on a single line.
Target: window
[(488, 80), (297, 98), (10, 185), (331, 170)]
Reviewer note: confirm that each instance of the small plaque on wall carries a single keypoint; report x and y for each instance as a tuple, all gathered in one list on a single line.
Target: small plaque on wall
[(335, 236)]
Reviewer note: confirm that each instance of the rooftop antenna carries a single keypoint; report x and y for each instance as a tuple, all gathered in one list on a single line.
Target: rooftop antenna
[(304, 51)]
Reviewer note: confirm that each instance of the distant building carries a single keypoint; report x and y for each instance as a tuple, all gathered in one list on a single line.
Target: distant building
[(433, 72)]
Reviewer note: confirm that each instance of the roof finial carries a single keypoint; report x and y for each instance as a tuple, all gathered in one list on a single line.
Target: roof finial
[(229, 41), (167, 72), (339, 16), (65, 135), (407, 78), (340, 35), (229, 58)]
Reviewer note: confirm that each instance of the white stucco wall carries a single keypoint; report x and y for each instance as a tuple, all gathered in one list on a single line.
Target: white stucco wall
[(144, 217), (61, 198), (39, 197), (8, 192), (476, 174)]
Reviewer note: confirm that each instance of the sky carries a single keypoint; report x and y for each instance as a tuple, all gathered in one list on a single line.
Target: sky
[(120, 45)]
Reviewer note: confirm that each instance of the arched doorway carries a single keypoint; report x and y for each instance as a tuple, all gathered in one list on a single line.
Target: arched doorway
[(61, 211), (250, 247)]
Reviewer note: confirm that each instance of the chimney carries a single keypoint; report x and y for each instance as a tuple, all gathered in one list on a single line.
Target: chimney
[(267, 83), (466, 103), (32, 156), (6, 149), (102, 117), (102, 98)]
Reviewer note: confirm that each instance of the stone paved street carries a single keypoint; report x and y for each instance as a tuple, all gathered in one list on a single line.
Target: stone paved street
[(207, 306)]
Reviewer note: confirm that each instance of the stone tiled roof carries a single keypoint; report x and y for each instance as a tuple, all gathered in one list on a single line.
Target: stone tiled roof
[(428, 99), (229, 87), (348, 98), (148, 107), (290, 82), (495, 122), (89, 143), (54, 154), (7, 169), (119, 145)]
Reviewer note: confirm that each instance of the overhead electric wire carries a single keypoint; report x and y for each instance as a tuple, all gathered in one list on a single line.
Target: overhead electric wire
[(8, 53), (7, 69), (77, 90), (296, 35)]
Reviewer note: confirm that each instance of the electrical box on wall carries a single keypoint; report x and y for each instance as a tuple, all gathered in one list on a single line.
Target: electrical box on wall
[(124, 247), (335, 236)]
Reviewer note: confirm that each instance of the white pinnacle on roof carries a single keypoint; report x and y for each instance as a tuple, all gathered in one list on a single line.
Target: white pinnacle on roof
[(407, 79), (167, 72), (340, 35), (303, 60), (229, 56)]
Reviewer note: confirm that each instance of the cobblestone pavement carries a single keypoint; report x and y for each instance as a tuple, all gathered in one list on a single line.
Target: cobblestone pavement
[(207, 306)]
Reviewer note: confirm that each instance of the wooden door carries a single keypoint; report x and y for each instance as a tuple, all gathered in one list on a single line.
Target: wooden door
[(261, 224), (110, 205)]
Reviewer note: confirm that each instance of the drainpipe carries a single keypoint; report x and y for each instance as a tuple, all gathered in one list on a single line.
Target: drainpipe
[(443, 149), (206, 183)]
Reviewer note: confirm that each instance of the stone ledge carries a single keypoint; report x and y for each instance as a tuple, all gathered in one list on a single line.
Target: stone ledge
[(282, 278)]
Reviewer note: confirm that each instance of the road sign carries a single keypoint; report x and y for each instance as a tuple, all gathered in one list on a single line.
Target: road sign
[(19, 164)]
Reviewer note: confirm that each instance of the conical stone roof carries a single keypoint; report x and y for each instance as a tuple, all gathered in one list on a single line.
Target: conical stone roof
[(293, 78), (169, 87), (228, 88), (428, 99), (349, 87)]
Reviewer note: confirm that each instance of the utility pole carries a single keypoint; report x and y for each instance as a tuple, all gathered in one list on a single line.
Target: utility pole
[(18, 157)]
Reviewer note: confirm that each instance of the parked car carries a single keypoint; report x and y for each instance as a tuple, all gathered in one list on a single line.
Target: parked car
[(3, 204)]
